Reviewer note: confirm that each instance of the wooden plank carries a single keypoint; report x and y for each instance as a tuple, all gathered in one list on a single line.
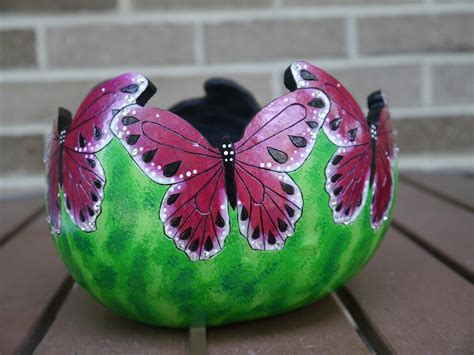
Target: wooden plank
[(417, 303), (30, 275), (317, 328), (16, 212), (456, 188), (85, 326), (444, 227)]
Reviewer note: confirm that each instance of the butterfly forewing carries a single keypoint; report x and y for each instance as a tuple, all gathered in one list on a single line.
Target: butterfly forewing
[(164, 146), (282, 135)]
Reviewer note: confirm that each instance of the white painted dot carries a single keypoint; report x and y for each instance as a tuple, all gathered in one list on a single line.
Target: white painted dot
[(269, 165), (194, 171), (188, 173)]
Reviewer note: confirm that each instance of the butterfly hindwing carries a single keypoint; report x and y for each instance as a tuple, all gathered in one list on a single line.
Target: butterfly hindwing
[(269, 205), (83, 188), (195, 214)]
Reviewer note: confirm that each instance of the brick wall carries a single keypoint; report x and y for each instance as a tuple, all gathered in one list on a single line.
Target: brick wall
[(419, 51)]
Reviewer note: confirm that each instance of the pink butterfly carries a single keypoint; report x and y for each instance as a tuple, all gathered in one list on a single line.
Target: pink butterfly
[(366, 152), (249, 174), (70, 159)]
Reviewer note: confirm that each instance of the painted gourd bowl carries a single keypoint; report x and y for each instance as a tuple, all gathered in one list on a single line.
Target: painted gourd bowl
[(217, 211)]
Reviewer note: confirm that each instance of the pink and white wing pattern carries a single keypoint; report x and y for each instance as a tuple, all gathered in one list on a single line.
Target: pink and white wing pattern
[(195, 214), (278, 140), (383, 186), (89, 131), (170, 151), (348, 172), (165, 147)]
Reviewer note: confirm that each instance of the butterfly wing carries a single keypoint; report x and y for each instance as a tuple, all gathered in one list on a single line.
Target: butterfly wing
[(51, 159), (83, 178), (383, 187), (83, 186), (278, 140), (171, 151), (90, 130), (348, 172)]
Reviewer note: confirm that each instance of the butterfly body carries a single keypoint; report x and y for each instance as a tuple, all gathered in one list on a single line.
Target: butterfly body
[(227, 151)]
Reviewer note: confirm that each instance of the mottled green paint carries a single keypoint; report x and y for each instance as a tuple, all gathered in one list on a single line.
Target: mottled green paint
[(129, 265)]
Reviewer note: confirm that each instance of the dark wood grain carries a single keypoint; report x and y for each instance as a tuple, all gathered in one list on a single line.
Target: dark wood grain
[(86, 327), (417, 303), (458, 189), (442, 226), (17, 213), (30, 275), (318, 328)]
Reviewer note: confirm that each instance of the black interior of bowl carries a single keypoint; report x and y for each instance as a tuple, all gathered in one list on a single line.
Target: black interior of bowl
[(225, 110)]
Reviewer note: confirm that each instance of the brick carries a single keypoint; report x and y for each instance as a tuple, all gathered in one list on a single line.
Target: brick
[(198, 4), (55, 5), (345, 2), (17, 49), (404, 34), (274, 40), (392, 80), (38, 102), (425, 135), (22, 154), (44, 98), (120, 45), (453, 84)]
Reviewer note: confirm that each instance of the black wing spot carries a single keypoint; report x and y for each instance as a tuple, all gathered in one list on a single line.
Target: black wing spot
[(290, 211), (170, 169), (244, 215), (306, 75), (337, 190), (290, 190), (91, 163), (338, 207), (97, 133), (91, 211), (94, 196), (271, 238), (346, 212), (220, 221), (185, 235), (256, 233), (82, 141), (176, 221), (68, 203), (148, 156), (298, 142), (312, 124), (352, 134), (128, 120), (208, 245), (337, 159), (278, 155), (97, 183), (335, 177), (194, 245), (130, 89), (81, 216), (133, 139), (335, 123), (172, 199), (316, 102), (282, 226)]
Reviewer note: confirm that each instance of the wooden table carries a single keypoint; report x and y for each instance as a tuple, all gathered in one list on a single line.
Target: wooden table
[(414, 297)]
